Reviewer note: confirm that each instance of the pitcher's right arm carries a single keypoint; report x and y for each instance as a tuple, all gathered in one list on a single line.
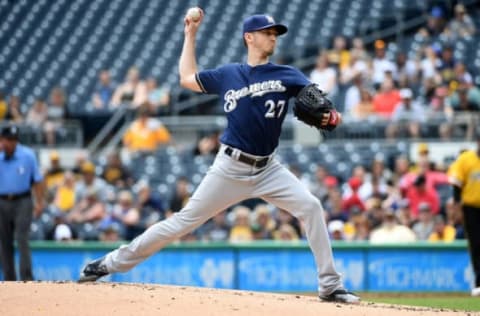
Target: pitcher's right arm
[(187, 66)]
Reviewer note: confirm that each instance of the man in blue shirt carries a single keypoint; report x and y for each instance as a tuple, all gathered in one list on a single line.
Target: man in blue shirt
[(19, 174), (255, 98), (103, 91)]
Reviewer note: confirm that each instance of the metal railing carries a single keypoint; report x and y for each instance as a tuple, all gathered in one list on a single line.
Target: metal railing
[(107, 129), (187, 129), (69, 133)]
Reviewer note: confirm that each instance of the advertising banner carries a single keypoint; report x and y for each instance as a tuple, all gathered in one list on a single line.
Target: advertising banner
[(273, 267)]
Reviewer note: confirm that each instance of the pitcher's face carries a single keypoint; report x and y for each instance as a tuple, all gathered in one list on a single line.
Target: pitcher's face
[(264, 41)]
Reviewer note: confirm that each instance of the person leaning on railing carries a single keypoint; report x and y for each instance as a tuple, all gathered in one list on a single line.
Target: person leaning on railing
[(57, 112), (146, 133), (132, 91)]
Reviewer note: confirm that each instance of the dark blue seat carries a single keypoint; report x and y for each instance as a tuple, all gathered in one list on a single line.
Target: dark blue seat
[(47, 43)]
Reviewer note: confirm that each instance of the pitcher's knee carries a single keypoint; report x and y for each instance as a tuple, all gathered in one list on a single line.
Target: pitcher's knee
[(185, 224), (310, 205)]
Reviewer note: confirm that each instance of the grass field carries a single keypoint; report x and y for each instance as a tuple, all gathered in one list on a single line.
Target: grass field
[(449, 301)]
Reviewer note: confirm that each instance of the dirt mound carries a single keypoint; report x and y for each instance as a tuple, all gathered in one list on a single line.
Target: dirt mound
[(68, 298)]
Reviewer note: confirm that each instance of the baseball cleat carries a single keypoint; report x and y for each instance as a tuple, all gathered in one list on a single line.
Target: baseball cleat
[(93, 271), (476, 291), (341, 296)]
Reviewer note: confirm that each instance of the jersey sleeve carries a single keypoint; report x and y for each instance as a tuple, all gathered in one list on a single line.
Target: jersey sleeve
[(210, 80), (297, 80)]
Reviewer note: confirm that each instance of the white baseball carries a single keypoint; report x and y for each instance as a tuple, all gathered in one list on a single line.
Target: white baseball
[(193, 14)]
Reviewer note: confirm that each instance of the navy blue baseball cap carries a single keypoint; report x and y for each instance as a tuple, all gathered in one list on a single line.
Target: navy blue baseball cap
[(259, 22), (9, 132)]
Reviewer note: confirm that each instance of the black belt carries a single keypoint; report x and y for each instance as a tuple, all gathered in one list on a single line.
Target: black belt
[(13, 197), (257, 163)]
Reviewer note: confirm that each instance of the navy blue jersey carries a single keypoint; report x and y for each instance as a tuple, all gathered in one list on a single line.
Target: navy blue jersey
[(255, 100)]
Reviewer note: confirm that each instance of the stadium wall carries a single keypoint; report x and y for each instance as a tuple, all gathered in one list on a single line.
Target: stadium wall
[(273, 266)]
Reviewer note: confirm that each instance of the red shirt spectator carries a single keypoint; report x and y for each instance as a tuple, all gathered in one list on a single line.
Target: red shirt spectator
[(353, 201), (432, 178), (419, 193), (387, 99), (330, 182)]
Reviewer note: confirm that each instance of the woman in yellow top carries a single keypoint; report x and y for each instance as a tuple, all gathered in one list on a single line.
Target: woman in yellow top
[(65, 194), (442, 231), (145, 134), (241, 229)]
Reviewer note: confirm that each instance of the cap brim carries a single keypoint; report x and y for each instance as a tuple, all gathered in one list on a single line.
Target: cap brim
[(281, 29)]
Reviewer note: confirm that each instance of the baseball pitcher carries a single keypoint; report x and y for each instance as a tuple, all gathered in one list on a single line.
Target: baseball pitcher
[(255, 98)]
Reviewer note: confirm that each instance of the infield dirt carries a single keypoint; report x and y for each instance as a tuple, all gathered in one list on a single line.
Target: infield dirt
[(68, 298)]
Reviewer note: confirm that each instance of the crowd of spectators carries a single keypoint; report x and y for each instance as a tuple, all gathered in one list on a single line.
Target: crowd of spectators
[(405, 89), (408, 91), (134, 92), (46, 118), (403, 202), (380, 203)]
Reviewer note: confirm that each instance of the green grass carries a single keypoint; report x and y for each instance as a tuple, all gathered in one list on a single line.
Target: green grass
[(448, 301)]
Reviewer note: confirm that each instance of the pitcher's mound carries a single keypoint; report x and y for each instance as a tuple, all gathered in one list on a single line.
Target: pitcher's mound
[(68, 298)]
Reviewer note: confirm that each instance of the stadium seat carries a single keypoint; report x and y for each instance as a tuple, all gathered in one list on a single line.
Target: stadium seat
[(73, 40)]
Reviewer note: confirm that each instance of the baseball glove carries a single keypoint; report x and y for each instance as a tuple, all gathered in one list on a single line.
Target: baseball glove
[(313, 108)]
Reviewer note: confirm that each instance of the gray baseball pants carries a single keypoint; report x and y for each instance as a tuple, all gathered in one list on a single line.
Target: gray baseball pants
[(227, 182)]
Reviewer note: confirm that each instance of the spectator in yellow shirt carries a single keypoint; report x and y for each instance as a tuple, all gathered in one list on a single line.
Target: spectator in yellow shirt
[(442, 231), (65, 194), (241, 229), (54, 174), (145, 134)]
